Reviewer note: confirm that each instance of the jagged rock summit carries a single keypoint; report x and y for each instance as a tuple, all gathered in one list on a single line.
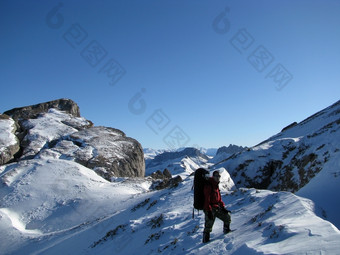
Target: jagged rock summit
[(32, 111), (225, 152), (56, 130)]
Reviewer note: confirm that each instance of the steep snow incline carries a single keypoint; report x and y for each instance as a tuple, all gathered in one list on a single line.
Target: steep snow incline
[(324, 190), (303, 158), (59, 207), (315, 125), (45, 197)]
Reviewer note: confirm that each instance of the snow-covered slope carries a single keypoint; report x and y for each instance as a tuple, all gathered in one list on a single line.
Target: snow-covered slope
[(42, 198), (303, 157), (60, 207)]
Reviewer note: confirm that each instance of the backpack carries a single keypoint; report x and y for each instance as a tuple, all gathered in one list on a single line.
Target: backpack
[(199, 183)]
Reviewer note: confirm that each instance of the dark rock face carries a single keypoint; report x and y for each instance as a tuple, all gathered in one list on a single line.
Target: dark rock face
[(158, 175), (105, 150), (9, 144), (164, 180), (113, 154), (32, 111), (167, 183), (231, 149)]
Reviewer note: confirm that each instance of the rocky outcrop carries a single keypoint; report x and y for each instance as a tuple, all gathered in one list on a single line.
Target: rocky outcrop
[(166, 183), (289, 126), (158, 175), (32, 111), (106, 150), (163, 180), (9, 144), (48, 128), (56, 130)]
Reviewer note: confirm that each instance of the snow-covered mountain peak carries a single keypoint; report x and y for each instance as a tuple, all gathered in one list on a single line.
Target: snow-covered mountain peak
[(300, 156)]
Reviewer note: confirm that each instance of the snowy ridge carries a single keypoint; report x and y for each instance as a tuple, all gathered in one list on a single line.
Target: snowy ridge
[(303, 158), (88, 215)]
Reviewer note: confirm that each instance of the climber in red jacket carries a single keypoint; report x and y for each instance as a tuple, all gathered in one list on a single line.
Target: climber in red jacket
[(214, 207)]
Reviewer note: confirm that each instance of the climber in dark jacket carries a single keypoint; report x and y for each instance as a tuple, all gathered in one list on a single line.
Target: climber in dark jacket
[(214, 207)]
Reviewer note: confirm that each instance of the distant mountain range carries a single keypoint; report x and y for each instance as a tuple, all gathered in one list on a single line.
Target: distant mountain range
[(186, 159), (150, 153)]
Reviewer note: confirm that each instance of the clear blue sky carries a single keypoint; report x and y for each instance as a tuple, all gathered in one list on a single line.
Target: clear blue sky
[(192, 73)]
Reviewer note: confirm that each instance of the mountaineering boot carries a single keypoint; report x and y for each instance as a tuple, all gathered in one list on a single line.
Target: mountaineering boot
[(226, 229), (206, 237)]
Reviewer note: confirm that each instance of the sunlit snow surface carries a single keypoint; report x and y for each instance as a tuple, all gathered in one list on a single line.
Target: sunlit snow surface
[(60, 207)]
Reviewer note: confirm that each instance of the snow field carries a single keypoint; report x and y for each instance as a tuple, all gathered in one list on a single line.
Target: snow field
[(81, 213), (54, 206)]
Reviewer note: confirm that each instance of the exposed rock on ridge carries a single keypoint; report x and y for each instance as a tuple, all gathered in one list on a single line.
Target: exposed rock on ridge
[(56, 130), (231, 149), (32, 111), (223, 153), (9, 143), (106, 150)]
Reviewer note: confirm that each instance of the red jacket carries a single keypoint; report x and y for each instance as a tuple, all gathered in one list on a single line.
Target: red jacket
[(212, 195)]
